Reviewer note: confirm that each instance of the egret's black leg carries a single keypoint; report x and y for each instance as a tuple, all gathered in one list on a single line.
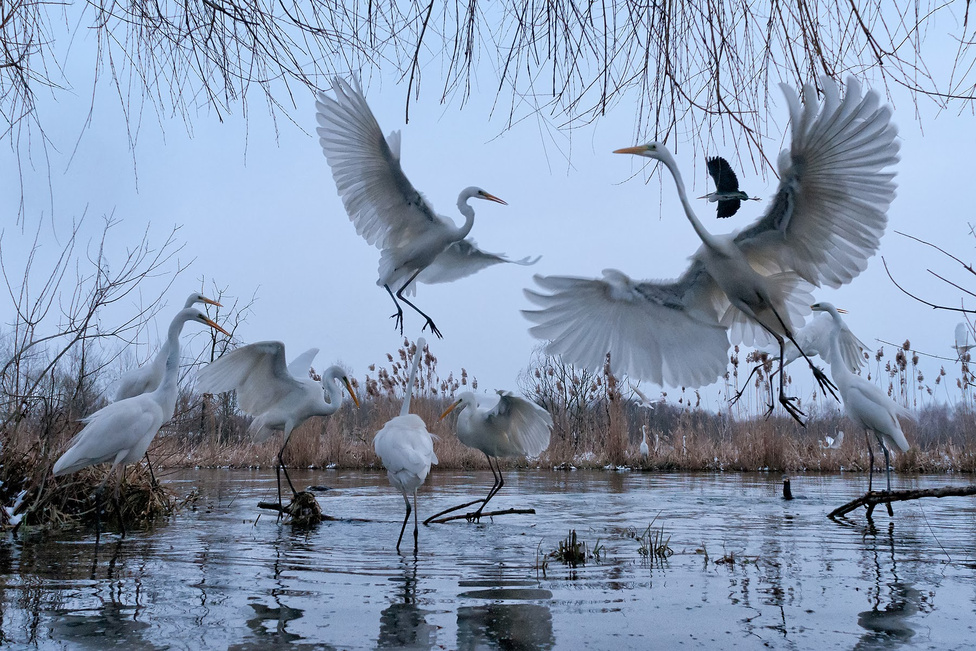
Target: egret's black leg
[(399, 313), (152, 476), (406, 517), (118, 502), (416, 529), (867, 439), (430, 322), (495, 487)]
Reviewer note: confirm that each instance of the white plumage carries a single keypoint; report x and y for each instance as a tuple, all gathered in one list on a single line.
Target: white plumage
[(147, 377), (416, 243), (512, 427), (644, 448), (120, 432), (824, 222), (280, 397), (406, 449), (817, 336), (962, 345), (865, 403)]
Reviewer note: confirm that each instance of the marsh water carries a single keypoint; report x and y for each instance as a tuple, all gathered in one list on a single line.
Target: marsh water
[(749, 570)]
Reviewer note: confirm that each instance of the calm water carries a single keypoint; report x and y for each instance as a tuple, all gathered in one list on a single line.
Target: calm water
[(225, 576)]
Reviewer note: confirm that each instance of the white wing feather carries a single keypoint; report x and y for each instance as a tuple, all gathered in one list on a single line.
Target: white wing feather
[(667, 333), (830, 210), (300, 366), (524, 427), (463, 258), (256, 371), (406, 449), (382, 203)]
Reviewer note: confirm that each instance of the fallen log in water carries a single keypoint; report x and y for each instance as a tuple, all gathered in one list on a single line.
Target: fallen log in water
[(872, 499), (485, 514)]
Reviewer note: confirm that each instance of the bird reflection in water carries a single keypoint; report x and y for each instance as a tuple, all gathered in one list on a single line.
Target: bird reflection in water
[(403, 624), (894, 602), (519, 626)]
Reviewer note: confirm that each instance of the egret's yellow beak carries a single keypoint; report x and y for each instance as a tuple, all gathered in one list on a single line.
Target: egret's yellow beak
[(449, 409), (215, 326), (639, 149), (352, 393), (491, 197), (210, 301)]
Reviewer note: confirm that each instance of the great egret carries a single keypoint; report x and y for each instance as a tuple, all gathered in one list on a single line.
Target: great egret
[(147, 377), (962, 345), (816, 336), (644, 448), (280, 397), (121, 432), (865, 403), (825, 221), (513, 427), (416, 243), (406, 449), (727, 192), (833, 442)]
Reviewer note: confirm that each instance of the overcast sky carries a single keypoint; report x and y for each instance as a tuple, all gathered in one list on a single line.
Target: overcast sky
[(259, 214)]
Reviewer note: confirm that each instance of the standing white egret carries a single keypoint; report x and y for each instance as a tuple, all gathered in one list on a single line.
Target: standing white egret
[(865, 403), (121, 432), (825, 221), (406, 449), (962, 345), (280, 397), (644, 448), (415, 242), (513, 427), (147, 377), (727, 193)]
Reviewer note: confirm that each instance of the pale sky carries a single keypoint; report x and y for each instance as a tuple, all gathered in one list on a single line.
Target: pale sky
[(259, 214)]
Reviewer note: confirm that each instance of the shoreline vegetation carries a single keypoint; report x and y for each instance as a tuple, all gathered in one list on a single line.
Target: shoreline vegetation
[(598, 422)]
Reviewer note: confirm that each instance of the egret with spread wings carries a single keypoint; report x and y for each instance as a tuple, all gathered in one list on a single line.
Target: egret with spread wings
[(280, 397), (416, 244), (512, 427), (825, 221)]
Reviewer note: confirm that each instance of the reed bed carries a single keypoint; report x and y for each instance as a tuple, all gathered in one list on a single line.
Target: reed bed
[(597, 424)]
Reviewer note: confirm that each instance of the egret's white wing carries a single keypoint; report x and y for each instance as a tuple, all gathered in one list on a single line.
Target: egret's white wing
[(111, 433), (300, 365), (830, 210), (869, 405), (667, 333), (462, 258), (962, 345), (525, 425), (256, 371), (815, 339), (383, 205)]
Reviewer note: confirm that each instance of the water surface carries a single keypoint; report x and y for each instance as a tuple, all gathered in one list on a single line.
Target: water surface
[(748, 570)]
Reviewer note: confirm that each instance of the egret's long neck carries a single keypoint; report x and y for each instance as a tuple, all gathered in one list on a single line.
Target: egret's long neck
[(705, 236), (468, 213), (405, 409), (168, 388), (330, 382)]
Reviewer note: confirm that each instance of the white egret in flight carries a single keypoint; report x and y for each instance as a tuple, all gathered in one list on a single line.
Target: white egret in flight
[(121, 432), (416, 243), (865, 403), (512, 427), (280, 397), (406, 449), (727, 192), (147, 377), (825, 221)]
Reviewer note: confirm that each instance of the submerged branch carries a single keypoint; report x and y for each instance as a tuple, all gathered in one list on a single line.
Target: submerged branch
[(872, 499)]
